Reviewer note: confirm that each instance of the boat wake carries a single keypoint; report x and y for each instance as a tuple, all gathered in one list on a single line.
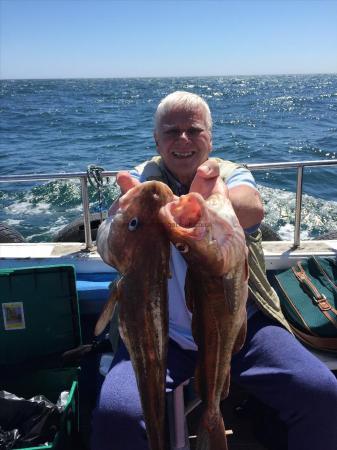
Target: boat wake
[(39, 212), (318, 216)]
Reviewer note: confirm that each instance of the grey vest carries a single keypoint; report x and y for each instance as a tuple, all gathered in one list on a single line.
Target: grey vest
[(260, 290)]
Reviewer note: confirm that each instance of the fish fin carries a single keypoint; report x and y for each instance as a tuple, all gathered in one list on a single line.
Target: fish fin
[(232, 284), (229, 283), (211, 433), (108, 309), (225, 387), (240, 340)]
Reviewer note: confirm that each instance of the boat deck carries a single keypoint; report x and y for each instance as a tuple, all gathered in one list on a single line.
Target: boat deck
[(242, 421), (278, 254)]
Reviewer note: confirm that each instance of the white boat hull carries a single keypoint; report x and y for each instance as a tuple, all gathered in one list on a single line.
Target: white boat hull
[(278, 254)]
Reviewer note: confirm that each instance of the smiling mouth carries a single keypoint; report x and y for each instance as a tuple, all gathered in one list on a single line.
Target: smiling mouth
[(183, 155)]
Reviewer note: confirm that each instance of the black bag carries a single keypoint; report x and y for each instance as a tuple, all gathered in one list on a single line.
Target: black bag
[(308, 295), (27, 423)]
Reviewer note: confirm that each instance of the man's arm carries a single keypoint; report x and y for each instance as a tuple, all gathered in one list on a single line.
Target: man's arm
[(247, 205)]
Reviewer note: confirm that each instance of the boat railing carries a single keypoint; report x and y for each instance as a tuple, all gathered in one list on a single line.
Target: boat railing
[(83, 177)]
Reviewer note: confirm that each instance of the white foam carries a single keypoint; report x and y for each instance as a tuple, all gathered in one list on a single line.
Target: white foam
[(26, 207), (318, 216), (13, 222), (286, 232)]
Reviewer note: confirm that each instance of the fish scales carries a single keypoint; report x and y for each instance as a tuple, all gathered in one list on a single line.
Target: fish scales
[(216, 290), (139, 248), (144, 329)]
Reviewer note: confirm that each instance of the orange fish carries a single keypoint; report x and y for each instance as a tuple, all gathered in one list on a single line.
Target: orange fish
[(134, 241), (210, 238)]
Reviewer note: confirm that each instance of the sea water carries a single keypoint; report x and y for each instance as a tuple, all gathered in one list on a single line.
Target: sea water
[(54, 126)]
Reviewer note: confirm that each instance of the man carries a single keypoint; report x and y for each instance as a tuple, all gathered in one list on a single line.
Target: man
[(272, 365)]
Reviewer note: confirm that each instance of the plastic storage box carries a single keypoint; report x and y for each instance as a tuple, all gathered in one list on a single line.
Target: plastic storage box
[(39, 321)]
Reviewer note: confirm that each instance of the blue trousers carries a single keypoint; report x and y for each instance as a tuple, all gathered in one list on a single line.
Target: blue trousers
[(272, 365)]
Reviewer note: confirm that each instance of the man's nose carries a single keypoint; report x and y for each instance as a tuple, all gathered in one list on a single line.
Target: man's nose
[(184, 135)]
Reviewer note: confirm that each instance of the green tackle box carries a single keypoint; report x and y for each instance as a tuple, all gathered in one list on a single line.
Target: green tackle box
[(39, 321)]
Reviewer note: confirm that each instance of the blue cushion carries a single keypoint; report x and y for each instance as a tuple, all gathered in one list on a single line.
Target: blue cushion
[(93, 290)]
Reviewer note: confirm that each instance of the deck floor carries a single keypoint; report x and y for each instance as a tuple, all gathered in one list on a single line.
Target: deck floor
[(237, 420)]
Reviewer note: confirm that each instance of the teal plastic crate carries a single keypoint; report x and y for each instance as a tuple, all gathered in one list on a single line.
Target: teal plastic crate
[(40, 321)]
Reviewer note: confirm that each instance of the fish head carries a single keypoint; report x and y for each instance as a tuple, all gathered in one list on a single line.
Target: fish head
[(206, 232), (187, 222), (129, 236)]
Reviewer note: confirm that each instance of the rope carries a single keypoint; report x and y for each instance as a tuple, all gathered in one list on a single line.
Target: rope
[(96, 181)]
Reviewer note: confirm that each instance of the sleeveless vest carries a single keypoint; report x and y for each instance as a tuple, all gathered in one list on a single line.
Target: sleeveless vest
[(260, 291)]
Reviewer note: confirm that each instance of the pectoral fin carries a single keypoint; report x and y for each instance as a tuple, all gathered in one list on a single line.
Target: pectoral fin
[(108, 309)]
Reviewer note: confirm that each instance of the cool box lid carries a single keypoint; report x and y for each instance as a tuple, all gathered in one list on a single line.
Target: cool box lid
[(39, 313)]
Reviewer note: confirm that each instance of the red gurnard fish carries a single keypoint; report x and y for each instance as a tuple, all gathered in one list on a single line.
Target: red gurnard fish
[(134, 241), (210, 238)]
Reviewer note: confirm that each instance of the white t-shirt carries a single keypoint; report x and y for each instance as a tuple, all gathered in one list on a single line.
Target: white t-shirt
[(179, 316)]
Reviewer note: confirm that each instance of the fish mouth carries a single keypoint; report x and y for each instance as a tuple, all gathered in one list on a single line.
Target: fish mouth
[(183, 155), (185, 216)]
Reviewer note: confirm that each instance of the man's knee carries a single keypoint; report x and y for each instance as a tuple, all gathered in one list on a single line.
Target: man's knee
[(315, 391), (325, 391), (116, 418), (117, 429)]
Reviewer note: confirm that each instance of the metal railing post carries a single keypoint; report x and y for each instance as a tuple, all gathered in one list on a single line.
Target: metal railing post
[(298, 207), (86, 214)]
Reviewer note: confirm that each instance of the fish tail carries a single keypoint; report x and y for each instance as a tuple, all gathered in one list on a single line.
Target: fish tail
[(211, 433), (108, 309)]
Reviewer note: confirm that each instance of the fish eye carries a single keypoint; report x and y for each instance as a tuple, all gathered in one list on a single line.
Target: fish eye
[(182, 248), (133, 224)]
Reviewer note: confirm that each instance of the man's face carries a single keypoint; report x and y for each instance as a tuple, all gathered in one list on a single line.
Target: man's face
[(183, 142)]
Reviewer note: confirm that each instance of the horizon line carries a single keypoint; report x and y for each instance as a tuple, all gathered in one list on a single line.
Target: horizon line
[(167, 76)]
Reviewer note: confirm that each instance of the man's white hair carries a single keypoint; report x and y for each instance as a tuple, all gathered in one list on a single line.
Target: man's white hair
[(182, 100)]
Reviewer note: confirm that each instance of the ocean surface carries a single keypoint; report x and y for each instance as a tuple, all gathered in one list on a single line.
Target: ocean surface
[(54, 126)]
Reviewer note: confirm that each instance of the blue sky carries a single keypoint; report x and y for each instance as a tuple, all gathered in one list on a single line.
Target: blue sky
[(110, 38)]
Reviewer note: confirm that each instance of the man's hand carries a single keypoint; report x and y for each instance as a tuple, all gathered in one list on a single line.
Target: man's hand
[(125, 182), (246, 201), (207, 181)]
